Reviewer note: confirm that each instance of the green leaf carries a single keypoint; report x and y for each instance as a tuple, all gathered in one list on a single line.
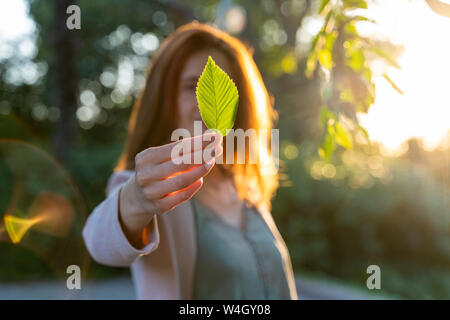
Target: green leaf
[(350, 29), (326, 149), (217, 98), (346, 95), (355, 4), (392, 83), (343, 137), (325, 115), (323, 4), (364, 133), (325, 59), (311, 64), (367, 74), (370, 98), (386, 56), (330, 39), (354, 55), (362, 18)]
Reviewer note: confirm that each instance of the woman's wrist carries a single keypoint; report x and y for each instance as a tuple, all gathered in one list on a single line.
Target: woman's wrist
[(134, 212)]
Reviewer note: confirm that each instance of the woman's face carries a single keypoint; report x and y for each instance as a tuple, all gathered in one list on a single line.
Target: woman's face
[(187, 102)]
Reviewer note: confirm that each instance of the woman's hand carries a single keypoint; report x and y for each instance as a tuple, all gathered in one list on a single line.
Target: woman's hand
[(163, 179)]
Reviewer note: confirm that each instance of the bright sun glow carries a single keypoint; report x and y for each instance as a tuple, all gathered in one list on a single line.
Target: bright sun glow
[(424, 110), (14, 21)]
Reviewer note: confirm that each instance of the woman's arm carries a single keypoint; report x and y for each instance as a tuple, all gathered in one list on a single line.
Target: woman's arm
[(105, 236), (124, 226)]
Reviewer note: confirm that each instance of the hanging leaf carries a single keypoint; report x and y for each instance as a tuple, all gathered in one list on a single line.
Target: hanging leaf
[(355, 4), (330, 39), (311, 64), (325, 59), (393, 85), (364, 133), (325, 116), (354, 57), (343, 137), (361, 18), (326, 149), (386, 56), (217, 98), (323, 5)]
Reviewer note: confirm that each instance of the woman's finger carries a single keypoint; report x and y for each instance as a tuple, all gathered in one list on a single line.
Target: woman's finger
[(162, 188), (165, 152), (185, 162), (170, 201)]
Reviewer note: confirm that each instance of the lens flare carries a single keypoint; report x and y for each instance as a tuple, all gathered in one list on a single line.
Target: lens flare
[(17, 227), (50, 213), (41, 211)]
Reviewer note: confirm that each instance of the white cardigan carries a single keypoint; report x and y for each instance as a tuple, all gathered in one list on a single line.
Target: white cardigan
[(164, 268)]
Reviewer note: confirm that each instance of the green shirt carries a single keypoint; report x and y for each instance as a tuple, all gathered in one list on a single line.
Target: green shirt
[(236, 264)]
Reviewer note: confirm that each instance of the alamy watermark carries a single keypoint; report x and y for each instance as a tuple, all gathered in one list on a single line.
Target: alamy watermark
[(238, 151), (74, 280), (374, 280), (74, 20)]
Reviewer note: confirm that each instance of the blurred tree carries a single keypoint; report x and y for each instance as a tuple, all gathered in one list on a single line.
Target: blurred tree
[(65, 80)]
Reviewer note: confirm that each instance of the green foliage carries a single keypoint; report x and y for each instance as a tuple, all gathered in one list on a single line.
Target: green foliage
[(338, 218), (392, 83), (349, 88), (217, 98)]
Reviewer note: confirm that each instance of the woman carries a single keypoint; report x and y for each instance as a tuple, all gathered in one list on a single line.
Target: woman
[(182, 236)]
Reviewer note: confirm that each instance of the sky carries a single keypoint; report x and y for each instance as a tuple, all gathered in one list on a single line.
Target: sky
[(423, 111), (14, 21)]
